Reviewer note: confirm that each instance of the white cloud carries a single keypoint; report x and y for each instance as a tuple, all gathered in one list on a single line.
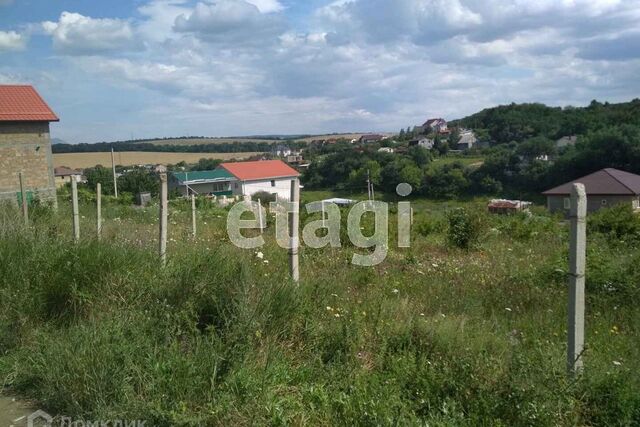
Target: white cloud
[(249, 66), (75, 34), (10, 40), (267, 6), (232, 23)]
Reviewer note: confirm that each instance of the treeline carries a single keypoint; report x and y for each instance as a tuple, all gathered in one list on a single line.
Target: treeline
[(509, 170), (519, 122), (225, 147)]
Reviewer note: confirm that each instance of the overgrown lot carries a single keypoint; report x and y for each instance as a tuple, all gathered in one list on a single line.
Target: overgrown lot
[(435, 335)]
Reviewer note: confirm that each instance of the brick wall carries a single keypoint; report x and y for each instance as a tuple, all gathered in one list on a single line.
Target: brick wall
[(26, 147)]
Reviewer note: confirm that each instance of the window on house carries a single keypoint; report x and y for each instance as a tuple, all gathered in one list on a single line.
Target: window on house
[(273, 182), (567, 203), (636, 204), (237, 185)]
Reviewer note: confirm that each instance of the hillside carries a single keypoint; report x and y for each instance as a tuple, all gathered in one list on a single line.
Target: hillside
[(518, 122)]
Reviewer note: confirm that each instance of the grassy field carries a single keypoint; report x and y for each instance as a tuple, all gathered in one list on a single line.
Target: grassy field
[(435, 335), (132, 158)]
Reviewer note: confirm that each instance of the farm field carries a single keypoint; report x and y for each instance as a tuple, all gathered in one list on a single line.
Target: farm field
[(132, 158), (205, 141), (435, 335)]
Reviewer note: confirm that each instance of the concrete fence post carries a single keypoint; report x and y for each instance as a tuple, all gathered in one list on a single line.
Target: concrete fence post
[(193, 216), (164, 206), (75, 209), (99, 210), (577, 266), (260, 218), (294, 218), (23, 197)]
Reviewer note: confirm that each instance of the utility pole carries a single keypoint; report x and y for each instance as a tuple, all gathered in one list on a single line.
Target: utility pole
[(113, 170), (577, 267), (368, 185)]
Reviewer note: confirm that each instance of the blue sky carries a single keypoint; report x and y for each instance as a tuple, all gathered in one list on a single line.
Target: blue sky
[(144, 68)]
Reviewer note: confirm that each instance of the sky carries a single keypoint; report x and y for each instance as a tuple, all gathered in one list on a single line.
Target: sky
[(122, 69)]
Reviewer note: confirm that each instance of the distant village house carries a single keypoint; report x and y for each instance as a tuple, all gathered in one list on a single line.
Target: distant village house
[(25, 144), (426, 143), (64, 175), (438, 126), (371, 138), (605, 188), (238, 179)]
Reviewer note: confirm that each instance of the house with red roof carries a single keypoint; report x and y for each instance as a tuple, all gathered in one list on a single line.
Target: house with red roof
[(238, 179), (25, 144), (271, 176), (604, 188)]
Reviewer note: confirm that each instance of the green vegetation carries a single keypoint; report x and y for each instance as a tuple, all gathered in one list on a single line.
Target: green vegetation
[(435, 335), (519, 122)]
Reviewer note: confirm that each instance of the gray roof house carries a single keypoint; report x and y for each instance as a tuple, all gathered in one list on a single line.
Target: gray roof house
[(605, 188)]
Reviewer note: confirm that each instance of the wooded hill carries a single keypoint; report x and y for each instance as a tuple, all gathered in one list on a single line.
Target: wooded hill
[(518, 122)]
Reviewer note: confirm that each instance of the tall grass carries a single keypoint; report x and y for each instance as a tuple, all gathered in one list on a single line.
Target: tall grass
[(434, 336)]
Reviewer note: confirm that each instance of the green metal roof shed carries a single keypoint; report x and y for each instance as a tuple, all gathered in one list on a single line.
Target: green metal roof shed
[(203, 177)]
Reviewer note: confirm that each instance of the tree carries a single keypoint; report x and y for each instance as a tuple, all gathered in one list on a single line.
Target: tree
[(100, 175), (139, 180)]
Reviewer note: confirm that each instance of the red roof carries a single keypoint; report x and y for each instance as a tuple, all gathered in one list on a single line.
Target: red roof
[(262, 169), (604, 182), (22, 103)]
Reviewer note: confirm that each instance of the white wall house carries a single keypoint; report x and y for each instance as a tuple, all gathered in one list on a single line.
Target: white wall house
[(270, 176)]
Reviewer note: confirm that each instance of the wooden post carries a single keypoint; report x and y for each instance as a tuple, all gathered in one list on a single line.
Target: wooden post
[(193, 215), (260, 216), (163, 219), (294, 218), (577, 265), (99, 210), (323, 213), (75, 209), (25, 204), (113, 170)]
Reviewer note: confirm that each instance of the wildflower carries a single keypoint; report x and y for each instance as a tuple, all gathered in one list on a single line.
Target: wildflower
[(337, 315), (434, 265), (395, 291), (260, 255), (614, 330), (615, 362), (266, 261), (508, 309), (329, 308)]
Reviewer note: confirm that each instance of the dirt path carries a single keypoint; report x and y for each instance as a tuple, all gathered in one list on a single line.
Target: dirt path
[(14, 412)]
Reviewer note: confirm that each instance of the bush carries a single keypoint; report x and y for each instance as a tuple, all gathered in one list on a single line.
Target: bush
[(465, 227), (617, 222), (265, 198)]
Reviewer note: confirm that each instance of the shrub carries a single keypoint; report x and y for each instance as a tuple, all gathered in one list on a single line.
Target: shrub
[(465, 227), (265, 198), (618, 222)]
